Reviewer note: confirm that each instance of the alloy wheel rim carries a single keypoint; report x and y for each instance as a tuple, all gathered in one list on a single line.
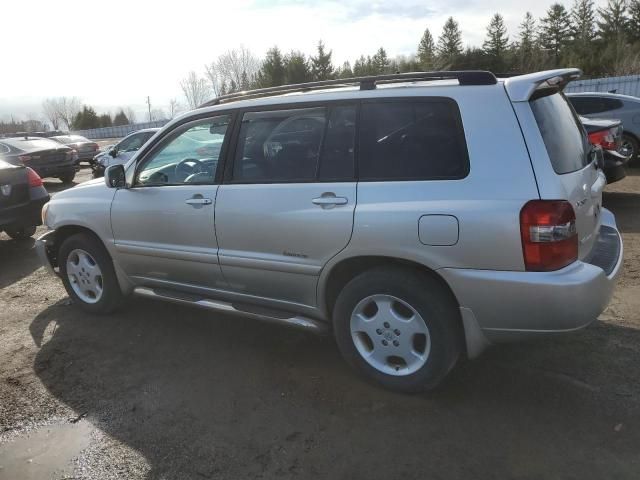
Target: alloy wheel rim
[(626, 149), (85, 276), (390, 335)]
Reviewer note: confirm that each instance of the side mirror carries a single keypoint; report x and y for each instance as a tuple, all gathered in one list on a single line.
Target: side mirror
[(113, 152), (114, 176)]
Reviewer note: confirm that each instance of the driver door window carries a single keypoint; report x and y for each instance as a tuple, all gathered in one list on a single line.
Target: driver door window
[(190, 156)]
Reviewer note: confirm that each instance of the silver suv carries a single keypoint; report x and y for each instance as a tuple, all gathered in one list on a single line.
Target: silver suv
[(419, 217)]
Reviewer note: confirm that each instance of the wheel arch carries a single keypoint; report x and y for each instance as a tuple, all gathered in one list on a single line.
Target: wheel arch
[(65, 231)]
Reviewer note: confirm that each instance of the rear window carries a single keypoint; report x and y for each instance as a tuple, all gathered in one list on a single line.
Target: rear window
[(421, 140), (562, 133)]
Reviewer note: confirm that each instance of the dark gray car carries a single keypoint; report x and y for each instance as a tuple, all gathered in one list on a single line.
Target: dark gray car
[(618, 107), (47, 157)]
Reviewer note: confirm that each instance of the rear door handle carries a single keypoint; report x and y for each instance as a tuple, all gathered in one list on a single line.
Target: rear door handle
[(198, 201), (330, 200)]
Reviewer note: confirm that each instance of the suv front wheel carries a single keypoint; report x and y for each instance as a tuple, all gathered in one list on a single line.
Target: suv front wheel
[(399, 327), (88, 274)]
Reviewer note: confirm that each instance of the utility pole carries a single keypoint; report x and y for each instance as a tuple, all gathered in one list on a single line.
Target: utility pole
[(149, 105)]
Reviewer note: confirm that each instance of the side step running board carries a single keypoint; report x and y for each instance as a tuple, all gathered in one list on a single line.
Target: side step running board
[(282, 318)]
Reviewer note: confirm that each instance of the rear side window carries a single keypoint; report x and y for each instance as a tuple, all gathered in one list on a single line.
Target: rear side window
[(612, 103), (586, 105), (562, 133), (279, 146), (420, 140)]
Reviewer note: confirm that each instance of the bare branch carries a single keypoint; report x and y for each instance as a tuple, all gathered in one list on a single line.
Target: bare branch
[(195, 89)]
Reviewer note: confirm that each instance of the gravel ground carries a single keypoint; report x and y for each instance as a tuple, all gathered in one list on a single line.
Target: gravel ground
[(164, 391)]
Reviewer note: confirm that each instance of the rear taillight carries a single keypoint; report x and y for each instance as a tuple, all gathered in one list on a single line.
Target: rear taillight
[(96, 147), (549, 236), (70, 153), (605, 138), (24, 158), (34, 178)]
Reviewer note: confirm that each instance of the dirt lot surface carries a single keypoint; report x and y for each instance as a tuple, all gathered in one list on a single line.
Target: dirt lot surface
[(163, 391)]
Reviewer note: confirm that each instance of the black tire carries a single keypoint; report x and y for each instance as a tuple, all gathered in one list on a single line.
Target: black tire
[(429, 298), (112, 296), (22, 233), (68, 177), (634, 146)]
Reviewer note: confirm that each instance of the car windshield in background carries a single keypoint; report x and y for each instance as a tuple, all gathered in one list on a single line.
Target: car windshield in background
[(562, 133)]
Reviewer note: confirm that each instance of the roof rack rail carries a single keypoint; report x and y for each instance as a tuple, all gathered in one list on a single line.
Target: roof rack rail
[(465, 77)]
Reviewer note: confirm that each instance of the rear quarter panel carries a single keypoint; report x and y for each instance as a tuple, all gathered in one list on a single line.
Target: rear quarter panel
[(487, 202)]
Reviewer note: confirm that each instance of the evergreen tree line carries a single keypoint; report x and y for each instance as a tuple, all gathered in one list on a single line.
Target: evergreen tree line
[(87, 118), (601, 41)]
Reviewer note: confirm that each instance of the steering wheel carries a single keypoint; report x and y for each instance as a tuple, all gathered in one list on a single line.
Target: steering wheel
[(187, 167)]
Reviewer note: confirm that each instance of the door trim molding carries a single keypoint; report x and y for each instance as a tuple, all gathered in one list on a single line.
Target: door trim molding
[(203, 255), (227, 260)]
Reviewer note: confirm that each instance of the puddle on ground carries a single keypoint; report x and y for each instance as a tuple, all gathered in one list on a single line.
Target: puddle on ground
[(44, 452)]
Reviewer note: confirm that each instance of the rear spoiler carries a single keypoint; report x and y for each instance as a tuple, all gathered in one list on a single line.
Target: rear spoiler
[(522, 87)]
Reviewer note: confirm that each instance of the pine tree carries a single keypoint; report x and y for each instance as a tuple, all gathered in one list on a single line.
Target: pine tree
[(380, 62), (613, 21), (495, 46), (556, 31), (612, 29), (582, 51), (583, 28), (345, 71), (527, 43), (272, 72), (633, 27), (120, 119), (427, 51), (296, 68), (450, 43), (321, 66)]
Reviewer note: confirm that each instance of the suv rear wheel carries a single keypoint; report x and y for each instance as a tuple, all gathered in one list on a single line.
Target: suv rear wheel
[(629, 148), (399, 327), (88, 274)]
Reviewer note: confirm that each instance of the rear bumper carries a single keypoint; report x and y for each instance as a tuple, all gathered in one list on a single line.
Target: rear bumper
[(508, 305), (25, 215), (55, 170), (614, 166)]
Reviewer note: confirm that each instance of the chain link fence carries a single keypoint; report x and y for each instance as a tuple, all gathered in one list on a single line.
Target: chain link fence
[(627, 85), (119, 131)]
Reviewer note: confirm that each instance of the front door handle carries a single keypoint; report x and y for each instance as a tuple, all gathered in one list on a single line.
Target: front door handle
[(198, 201), (330, 200)]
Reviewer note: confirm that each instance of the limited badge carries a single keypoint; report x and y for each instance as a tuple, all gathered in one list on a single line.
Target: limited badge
[(6, 190)]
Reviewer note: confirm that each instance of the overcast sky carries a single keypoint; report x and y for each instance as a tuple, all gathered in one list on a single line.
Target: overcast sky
[(117, 52)]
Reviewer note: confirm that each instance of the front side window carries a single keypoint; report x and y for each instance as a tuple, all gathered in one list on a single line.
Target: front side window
[(562, 133), (279, 146), (189, 156), (412, 141)]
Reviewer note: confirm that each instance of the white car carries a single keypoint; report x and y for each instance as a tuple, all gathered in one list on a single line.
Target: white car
[(121, 152)]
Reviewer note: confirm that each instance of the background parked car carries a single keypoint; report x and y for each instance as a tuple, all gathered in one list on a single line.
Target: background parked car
[(85, 148), (122, 151), (22, 196), (610, 105), (47, 157), (608, 135)]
